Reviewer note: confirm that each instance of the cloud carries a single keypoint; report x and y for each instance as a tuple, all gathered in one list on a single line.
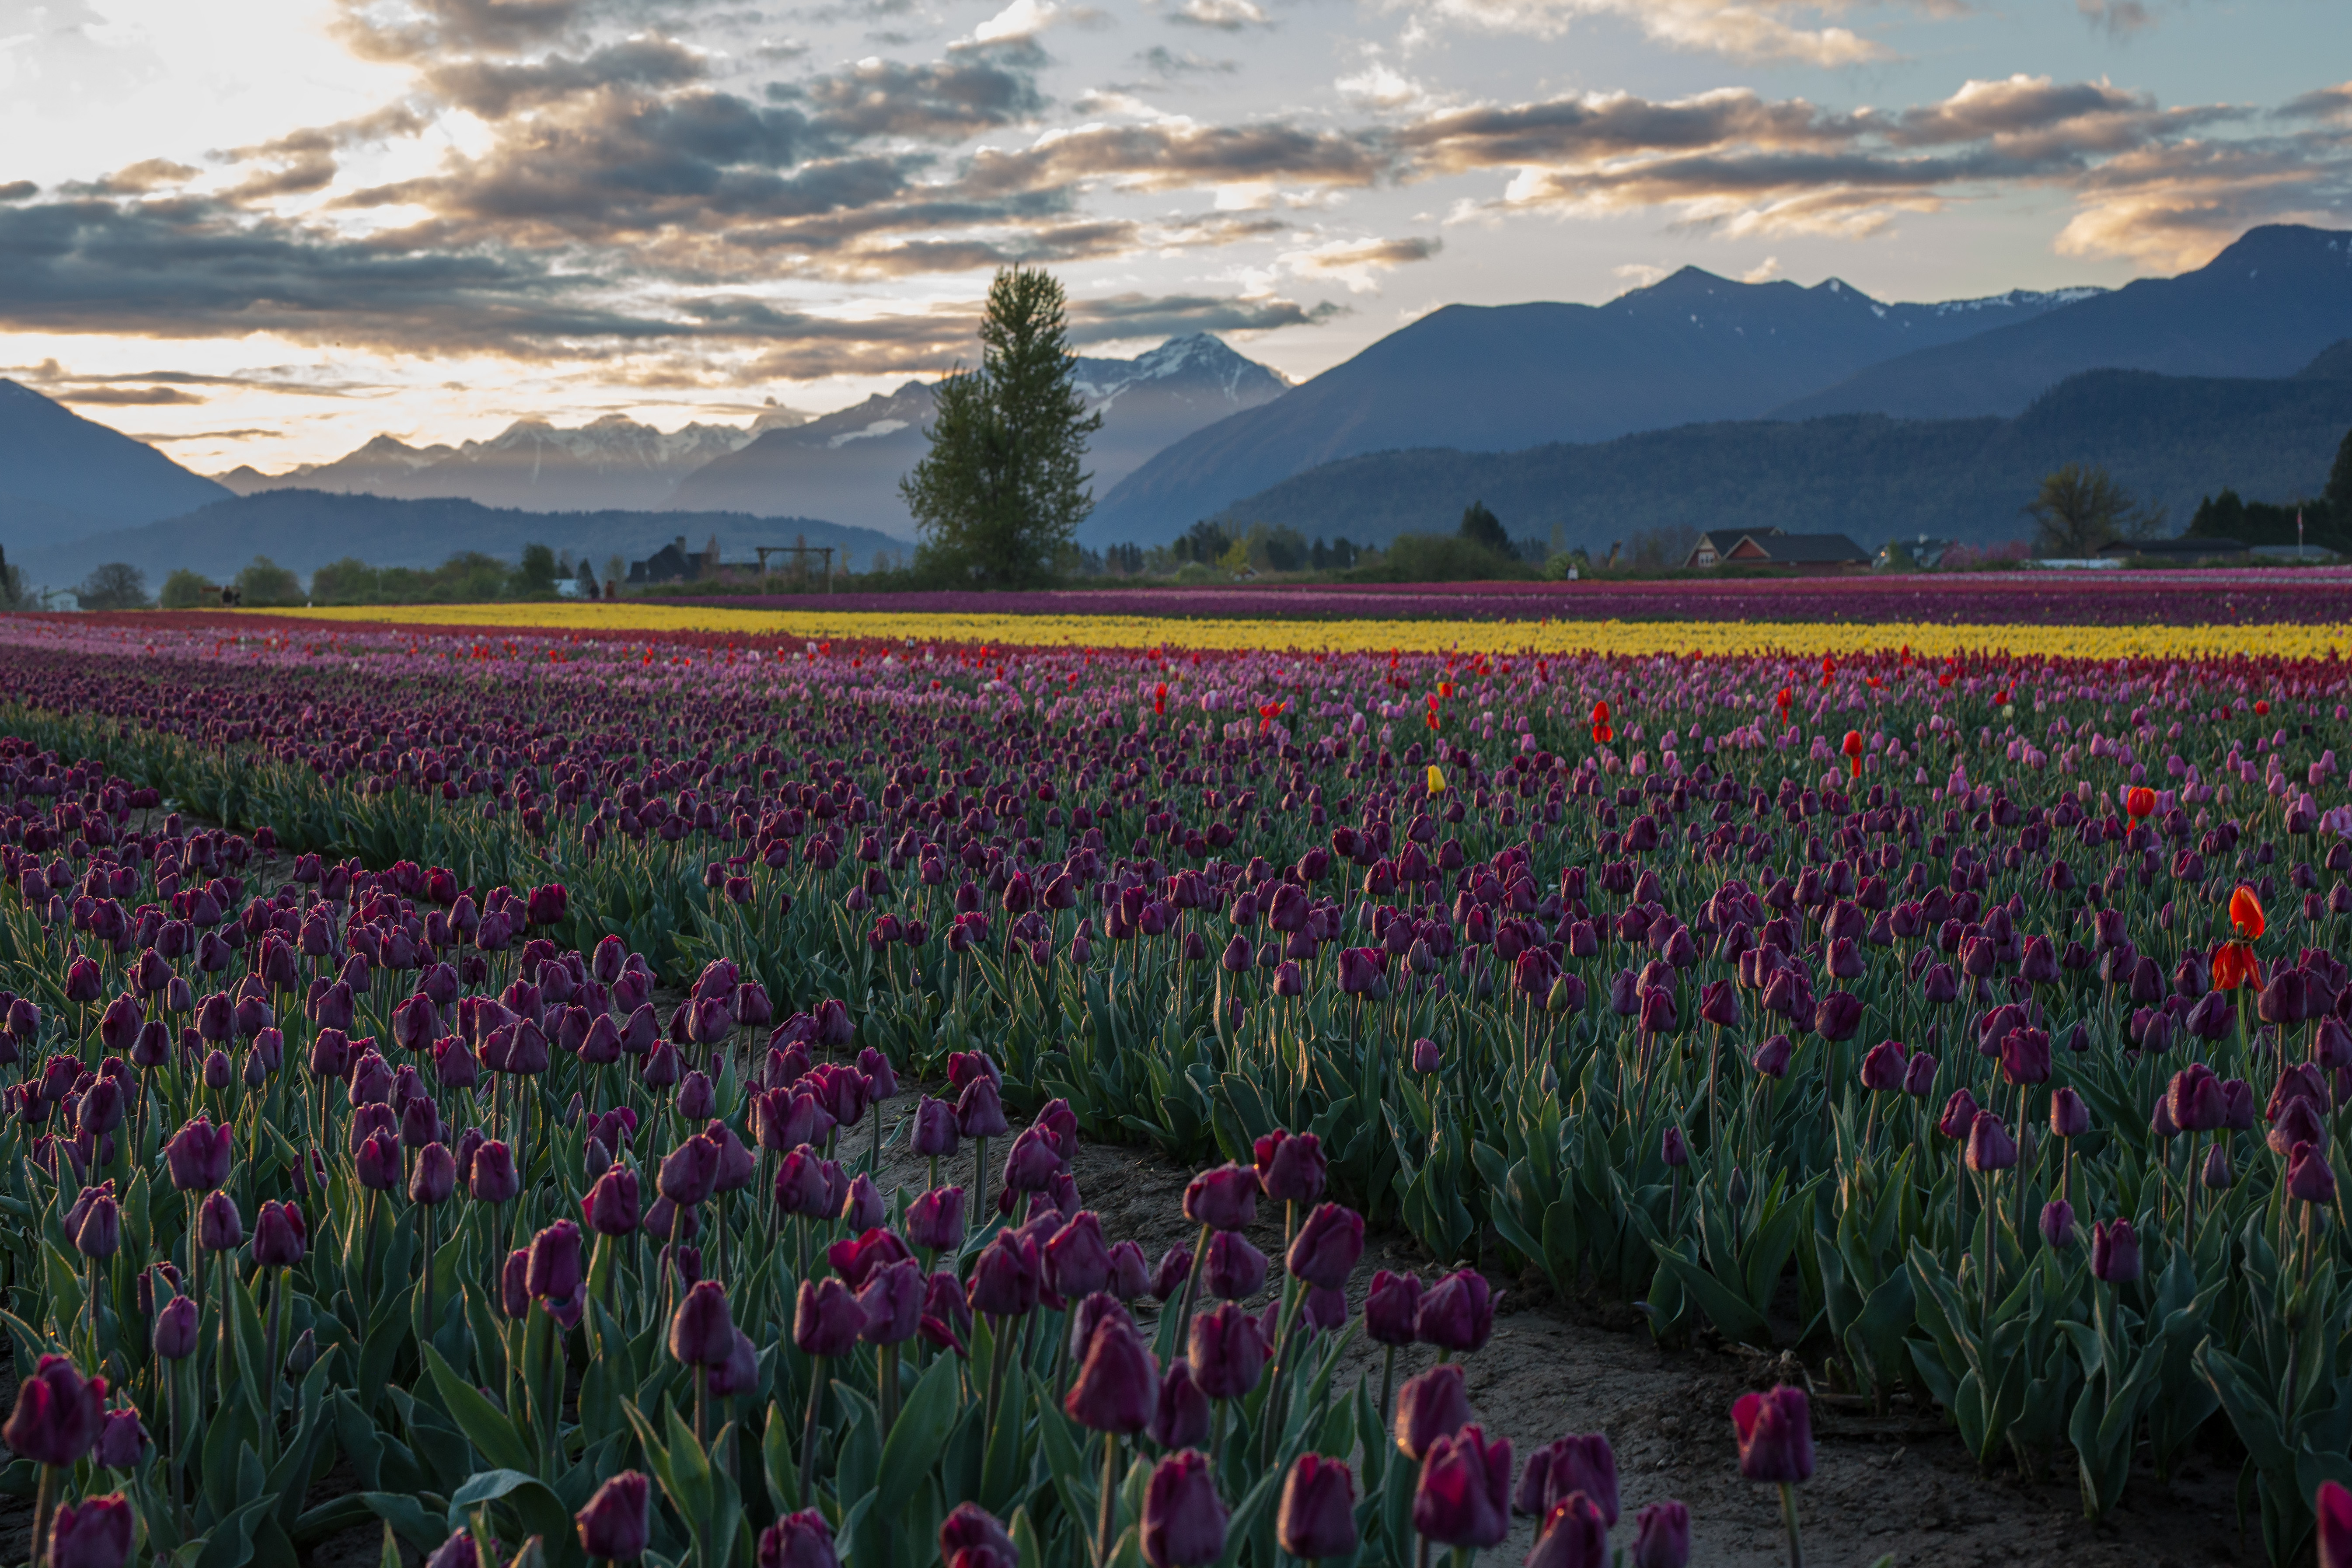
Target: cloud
[(147, 175), (946, 101), (931, 340), (1022, 20), (495, 89), (1354, 261), (1163, 61), (129, 395), (2116, 18), (1746, 165), (1224, 15), (1181, 155), (245, 434), (18, 191), (425, 30), (1758, 30)]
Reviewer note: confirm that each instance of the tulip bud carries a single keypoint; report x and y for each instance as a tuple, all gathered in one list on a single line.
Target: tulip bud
[(1432, 1405), (1776, 1435), (1184, 1523), (1318, 1515), (615, 1525), (828, 1320), (1464, 1496), (702, 1332), (95, 1534), (1226, 1351), (176, 1329), (2114, 1253)]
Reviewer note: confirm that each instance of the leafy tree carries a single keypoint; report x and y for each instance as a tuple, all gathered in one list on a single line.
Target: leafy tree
[(535, 574), (2083, 508), (264, 582), (349, 580), (2339, 494), (116, 585), (1481, 526), (1001, 492), (185, 590), (14, 592)]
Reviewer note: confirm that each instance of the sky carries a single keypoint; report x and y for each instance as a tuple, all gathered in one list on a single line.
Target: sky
[(264, 231)]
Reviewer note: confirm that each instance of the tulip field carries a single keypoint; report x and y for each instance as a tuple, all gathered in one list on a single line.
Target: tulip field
[(567, 1088)]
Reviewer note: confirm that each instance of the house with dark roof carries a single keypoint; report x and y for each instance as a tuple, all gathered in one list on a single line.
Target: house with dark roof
[(1809, 553), (673, 562)]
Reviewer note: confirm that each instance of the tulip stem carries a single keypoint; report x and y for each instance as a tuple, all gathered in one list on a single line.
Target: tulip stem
[(1110, 1500), (1191, 1280), (1388, 1379), (171, 1370), (1789, 1517), (1992, 1214), (809, 1432), (42, 1499), (225, 1355)]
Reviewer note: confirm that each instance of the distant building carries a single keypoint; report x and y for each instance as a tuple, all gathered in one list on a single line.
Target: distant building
[(1924, 552), (1712, 547), (669, 564), (2185, 549), (1809, 552)]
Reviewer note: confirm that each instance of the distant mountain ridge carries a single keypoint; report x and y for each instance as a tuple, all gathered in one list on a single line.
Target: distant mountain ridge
[(1691, 347), (303, 530), (847, 465), (63, 476), (533, 465), (2168, 439), (2261, 308)]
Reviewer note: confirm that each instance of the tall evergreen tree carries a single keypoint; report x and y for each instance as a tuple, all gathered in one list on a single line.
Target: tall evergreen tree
[(2339, 494), (1001, 493), (1481, 526)]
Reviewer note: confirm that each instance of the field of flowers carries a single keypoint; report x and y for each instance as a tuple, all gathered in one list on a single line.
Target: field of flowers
[(469, 1061), (2190, 597)]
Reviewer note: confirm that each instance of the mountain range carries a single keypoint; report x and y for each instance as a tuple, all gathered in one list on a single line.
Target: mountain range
[(846, 466), (1693, 370), (1691, 347), (2170, 440), (1695, 348), (614, 462)]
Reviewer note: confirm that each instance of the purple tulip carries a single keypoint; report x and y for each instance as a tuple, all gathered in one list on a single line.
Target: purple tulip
[(58, 1415), (1317, 1514), (1457, 1313), (611, 1206), (1661, 1538), (1227, 1351), (2114, 1253), (1432, 1405), (122, 1441), (1464, 1496), (1233, 1268), (702, 1331), (96, 1534), (1184, 1523), (1291, 1167), (1574, 1535), (1577, 1463), (1776, 1435), (615, 1524), (1224, 1199), (1117, 1385), (800, 1540)]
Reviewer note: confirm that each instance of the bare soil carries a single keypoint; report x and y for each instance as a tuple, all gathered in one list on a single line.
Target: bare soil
[(1899, 1484)]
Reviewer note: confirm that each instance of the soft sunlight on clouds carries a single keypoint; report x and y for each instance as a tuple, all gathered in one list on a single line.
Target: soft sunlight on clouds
[(268, 240)]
